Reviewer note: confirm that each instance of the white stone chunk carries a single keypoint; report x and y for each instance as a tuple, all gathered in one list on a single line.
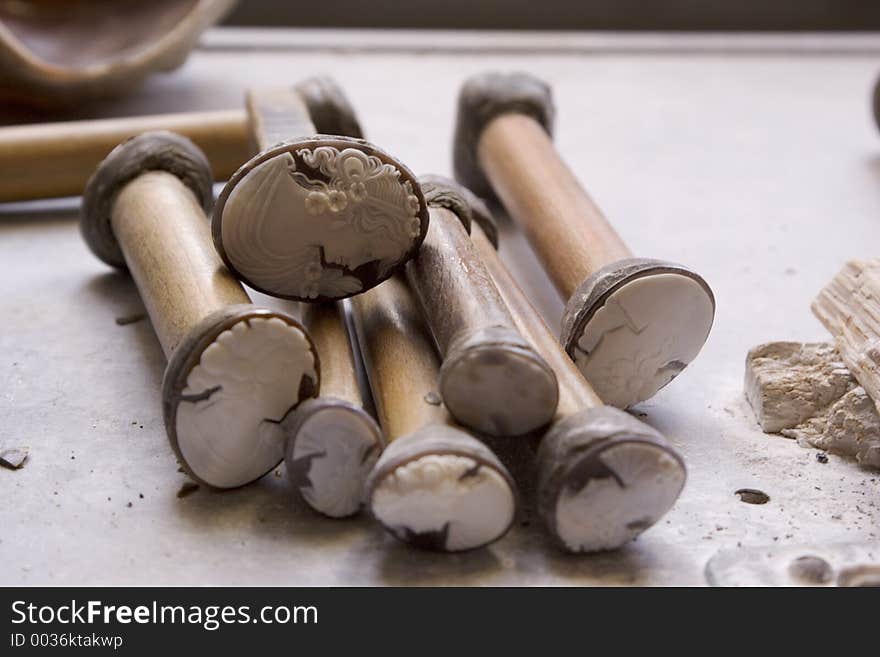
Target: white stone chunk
[(804, 391), (789, 382), (849, 427)]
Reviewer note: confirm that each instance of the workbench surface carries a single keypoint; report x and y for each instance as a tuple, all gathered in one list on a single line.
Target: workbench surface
[(754, 160)]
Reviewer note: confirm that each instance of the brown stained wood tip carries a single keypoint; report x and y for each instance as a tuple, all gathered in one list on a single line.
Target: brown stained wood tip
[(752, 496), (484, 97), (155, 151)]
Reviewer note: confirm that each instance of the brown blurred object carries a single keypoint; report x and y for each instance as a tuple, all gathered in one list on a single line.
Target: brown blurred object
[(58, 51)]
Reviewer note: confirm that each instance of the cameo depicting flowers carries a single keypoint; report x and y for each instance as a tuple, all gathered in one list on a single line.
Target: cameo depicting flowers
[(244, 384), (319, 222), (444, 502)]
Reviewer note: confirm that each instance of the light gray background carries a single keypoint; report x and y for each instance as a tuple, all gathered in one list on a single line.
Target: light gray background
[(753, 160)]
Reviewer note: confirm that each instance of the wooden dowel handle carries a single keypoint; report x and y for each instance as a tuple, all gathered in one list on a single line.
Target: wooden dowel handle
[(165, 238), (56, 159), (235, 371), (332, 441), (277, 115), (491, 379), (574, 391), (567, 230), (401, 362), (325, 323), (457, 295)]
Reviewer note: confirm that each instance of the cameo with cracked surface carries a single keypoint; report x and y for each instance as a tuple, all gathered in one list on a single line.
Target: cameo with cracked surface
[(332, 447), (227, 388), (319, 219), (441, 489), (634, 325), (604, 478)]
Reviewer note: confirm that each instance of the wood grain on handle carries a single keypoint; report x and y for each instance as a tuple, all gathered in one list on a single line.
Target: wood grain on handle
[(56, 159), (401, 361), (276, 115), (166, 240), (574, 391), (325, 324), (457, 295), (564, 226)]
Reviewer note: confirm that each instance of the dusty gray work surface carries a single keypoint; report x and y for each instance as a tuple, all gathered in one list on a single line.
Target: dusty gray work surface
[(753, 160)]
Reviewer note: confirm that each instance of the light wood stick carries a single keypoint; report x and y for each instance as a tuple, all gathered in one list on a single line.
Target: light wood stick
[(325, 323), (491, 379), (567, 230), (434, 486), (276, 115), (333, 443), (235, 371), (181, 285), (603, 477), (56, 159), (630, 324), (575, 393), (401, 362)]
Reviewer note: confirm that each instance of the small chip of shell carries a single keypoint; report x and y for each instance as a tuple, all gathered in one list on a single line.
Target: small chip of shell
[(13, 458)]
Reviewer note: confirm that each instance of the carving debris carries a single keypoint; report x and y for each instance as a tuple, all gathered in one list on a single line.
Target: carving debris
[(804, 391), (849, 307), (13, 458)]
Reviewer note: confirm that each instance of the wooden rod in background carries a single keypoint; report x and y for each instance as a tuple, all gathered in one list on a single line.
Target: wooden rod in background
[(56, 159)]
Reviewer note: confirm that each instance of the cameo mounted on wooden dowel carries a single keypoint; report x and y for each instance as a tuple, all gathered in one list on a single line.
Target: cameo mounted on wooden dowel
[(435, 486), (333, 442), (603, 477), (235, 371), (491, 379), (315, 218), (631, 324)]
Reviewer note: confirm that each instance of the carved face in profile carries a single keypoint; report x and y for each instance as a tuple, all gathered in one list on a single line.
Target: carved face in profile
[(319, 221)]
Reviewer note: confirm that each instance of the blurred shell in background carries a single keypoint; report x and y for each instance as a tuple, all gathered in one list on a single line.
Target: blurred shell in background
[(55, 51)]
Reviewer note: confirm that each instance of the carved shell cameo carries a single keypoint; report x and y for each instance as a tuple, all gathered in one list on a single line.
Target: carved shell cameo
[(319, 219)]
